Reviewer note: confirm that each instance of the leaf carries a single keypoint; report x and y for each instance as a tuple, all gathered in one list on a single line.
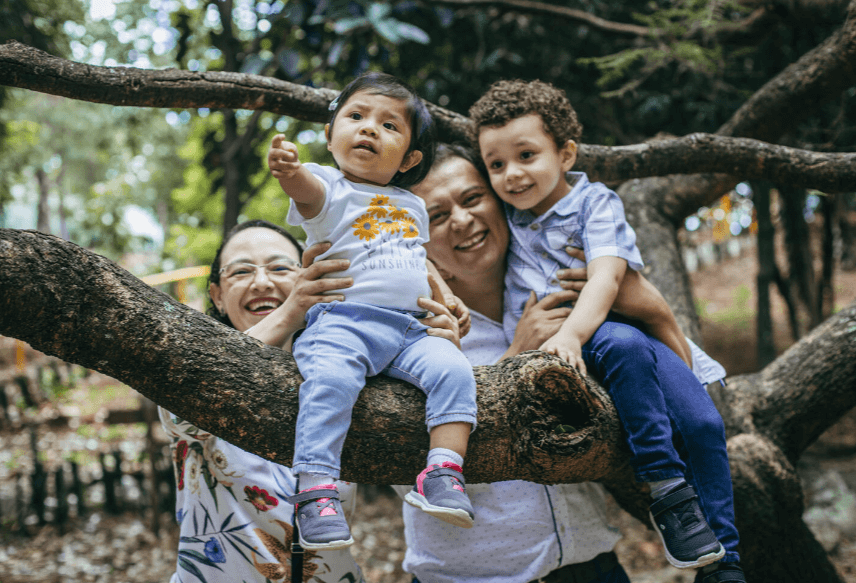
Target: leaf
[(350, 23), (411, 32), (386, 29), (335, 52), (198, 557), (237, 548), (226, 521), (188, 566), (378, 11)]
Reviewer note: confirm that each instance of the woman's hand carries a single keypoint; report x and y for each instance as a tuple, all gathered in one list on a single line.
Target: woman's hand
[(309, 287), (540, 321), (573, 278), (443, 323)]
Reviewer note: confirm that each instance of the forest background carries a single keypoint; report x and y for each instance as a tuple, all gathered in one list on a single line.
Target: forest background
[(156, 188)]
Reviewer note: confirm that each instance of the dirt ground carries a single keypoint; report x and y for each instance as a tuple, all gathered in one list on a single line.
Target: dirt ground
[(104, 549)]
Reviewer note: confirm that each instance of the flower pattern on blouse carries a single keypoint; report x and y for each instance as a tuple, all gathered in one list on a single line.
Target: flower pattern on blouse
[(232, 512)]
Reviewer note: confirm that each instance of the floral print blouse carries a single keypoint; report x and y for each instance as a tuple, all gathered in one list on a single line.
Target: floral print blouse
[(235, 522)]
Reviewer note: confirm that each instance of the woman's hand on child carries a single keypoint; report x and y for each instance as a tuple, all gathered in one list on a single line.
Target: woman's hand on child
[(573, 278), (540, 320), (460, 311), (283, 160), (311, 286), (568, 348), (443, 323)]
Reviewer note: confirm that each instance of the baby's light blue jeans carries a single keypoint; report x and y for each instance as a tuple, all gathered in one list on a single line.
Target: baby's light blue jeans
[(345, 342)]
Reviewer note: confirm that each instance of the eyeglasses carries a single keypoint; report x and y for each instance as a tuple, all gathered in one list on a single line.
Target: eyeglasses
[(275, 270)]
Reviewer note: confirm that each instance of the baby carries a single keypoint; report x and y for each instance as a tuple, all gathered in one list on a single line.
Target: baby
[(381, 137)]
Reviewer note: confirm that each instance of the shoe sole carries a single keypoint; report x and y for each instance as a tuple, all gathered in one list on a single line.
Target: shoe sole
[(454, 516), (334, 545), (699, 562)]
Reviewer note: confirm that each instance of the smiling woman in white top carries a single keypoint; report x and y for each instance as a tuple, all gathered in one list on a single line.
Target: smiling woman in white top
[(523, 531)]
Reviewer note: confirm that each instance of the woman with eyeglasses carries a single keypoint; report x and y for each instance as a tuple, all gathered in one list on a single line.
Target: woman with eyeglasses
[(231, 504)]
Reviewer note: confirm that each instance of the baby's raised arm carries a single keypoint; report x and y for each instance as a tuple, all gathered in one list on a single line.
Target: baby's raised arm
[(299, 184)]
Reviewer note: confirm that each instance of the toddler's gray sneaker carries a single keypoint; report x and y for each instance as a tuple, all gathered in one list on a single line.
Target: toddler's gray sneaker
[(440, 491)]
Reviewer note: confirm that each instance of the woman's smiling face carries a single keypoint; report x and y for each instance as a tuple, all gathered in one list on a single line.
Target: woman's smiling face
[(469, 235), (251, 294)]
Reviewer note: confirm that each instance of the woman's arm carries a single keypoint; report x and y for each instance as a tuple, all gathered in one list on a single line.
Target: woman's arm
[(280, 325)]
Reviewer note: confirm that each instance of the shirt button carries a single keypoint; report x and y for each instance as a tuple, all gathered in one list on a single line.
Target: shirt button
[(534, 226), (544, 254), (554, 282)]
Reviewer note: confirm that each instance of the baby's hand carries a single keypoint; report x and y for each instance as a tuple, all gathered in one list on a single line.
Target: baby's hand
[(568, 348), (460, 310), (282, 158)]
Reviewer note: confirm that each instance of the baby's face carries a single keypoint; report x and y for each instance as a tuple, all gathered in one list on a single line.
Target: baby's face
[(370, 138), (526, 168)]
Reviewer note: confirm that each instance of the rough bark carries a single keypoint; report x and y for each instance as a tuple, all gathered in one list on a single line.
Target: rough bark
[(88, 311), (83, 308), (744, 157), (78, 306)]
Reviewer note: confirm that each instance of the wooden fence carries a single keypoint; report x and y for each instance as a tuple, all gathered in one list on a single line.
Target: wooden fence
[(55, 493)]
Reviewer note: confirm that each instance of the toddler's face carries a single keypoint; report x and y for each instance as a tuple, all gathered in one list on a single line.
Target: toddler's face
[(526, 168), (370, 138)]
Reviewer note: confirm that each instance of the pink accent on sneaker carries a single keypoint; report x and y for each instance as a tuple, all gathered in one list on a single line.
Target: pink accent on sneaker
[(326, 511), (321, 487), (457, 485), (421, 477), (451, 465)]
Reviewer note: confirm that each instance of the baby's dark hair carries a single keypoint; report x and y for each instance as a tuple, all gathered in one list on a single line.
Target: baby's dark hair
[(421, 124), (214, 276), (506, 101)]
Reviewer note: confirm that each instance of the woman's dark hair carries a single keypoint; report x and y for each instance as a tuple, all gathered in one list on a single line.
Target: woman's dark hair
[(214, 276), (421, 124), (446, 151)]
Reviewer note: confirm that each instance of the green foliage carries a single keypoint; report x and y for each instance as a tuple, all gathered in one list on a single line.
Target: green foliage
[(96, 161)]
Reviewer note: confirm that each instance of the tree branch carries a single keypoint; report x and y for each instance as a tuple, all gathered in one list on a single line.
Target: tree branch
[(749, 159), (561, 11), (25, 67), (78, 306), (29, 68), (819, 75)]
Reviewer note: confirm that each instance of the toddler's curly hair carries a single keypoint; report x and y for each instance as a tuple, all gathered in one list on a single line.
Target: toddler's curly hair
[(507, 100)]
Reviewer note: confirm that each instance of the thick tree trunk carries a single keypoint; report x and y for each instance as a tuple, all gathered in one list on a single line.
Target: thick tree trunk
[(71, 303)]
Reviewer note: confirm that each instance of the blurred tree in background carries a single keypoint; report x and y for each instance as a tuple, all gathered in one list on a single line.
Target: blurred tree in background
[(633, 70)]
